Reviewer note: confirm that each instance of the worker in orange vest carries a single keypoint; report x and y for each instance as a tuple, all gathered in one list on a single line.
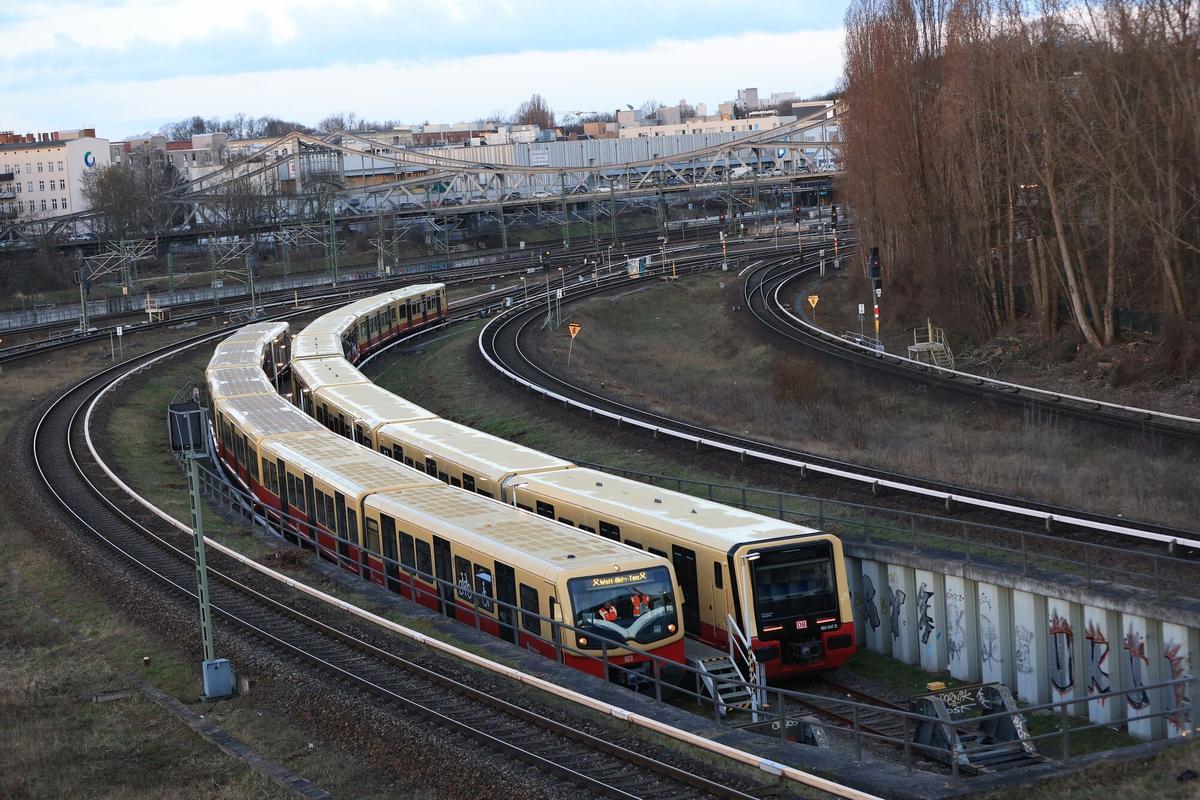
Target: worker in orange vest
[(608, 612), (641, 602)]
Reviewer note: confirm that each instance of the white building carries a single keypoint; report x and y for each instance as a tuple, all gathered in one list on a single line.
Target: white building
[(42, 176), (760, 123)]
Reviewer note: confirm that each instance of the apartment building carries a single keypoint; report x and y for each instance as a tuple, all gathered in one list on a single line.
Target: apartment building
[(41, 175)]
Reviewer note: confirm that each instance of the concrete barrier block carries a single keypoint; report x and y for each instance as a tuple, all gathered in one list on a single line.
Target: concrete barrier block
[(1029, 647), (1178, 644), (995, 634), (931, 620), (1100, 628), (877, 632), (1064, 653), (962, 629), (902, 611), (1139, 642)]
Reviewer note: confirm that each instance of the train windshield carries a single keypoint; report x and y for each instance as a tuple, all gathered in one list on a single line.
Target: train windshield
[(794, 581), (637, 607)]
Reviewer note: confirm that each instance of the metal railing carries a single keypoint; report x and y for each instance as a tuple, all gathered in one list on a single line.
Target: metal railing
[(1099, 567), (783, 711)]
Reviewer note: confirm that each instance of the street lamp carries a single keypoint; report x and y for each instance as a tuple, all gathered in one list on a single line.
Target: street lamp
[(610, 247), (525, 289)]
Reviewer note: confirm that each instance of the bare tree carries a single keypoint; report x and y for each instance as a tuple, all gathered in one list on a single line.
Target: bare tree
[(535, 111)]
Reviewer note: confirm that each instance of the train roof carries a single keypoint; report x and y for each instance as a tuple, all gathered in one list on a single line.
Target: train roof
[(267, 415), (371, 405), (516, 537), (480, 452), (317, 372), (334, 322), (351, 468), (237, 382), (245, 346), (685, 517), (316, 345)]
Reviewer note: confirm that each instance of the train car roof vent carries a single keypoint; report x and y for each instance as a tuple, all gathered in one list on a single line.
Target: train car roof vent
[(658, 500), (694, 511), (570, 555), (599, 483)]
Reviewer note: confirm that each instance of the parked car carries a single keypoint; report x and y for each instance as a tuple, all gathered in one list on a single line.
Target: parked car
[(540, 195)]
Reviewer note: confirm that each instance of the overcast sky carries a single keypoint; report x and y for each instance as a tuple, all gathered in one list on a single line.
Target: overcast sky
[(128, 66)]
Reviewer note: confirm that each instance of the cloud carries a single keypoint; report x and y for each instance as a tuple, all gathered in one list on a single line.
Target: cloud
[(702, 70)]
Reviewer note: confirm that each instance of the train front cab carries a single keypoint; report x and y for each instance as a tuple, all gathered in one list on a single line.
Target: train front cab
[(462, 582), (797, 595)]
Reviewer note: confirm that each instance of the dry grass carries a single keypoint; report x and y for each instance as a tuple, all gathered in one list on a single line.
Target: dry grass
[(679, 349)]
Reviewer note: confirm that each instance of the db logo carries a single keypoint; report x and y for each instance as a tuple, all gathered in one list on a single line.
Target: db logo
[(628, 659), (801, 624)]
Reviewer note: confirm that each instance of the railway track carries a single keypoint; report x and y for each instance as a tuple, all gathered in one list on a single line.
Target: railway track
[(769, 290), (500, 344), (278, 299), (68, 466)]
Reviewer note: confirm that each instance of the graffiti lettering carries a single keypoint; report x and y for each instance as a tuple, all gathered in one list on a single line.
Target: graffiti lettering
[(896, 599), (868, 602), (1177, 695), (1135, 653), (1098, 681), (956, 634), (989, 637), (1062, 665), (1024, 641), (925, 623)]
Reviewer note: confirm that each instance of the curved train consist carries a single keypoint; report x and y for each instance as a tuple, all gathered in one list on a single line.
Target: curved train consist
[(782, 586)]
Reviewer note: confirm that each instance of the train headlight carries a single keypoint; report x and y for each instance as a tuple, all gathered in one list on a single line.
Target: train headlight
[(583, 641), (671, 627)]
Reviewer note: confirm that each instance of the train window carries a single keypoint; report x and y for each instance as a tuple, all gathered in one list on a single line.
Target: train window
[(443, 477), (239, 450), (462, 578), (566, 521), (483, 587), (718, 579), (430, 466), (632, 543), (424, 560), (524, 507), (295, 493), (409, 461), (329, 515), (610, 531), (372, 531), (455, 482), (530, 609), (408, 555), (468, 482), (399, 451), (545, 509), (252, 458), (320, 507), (659, 553), (352, 531), (587, 528), (387, 452), (485, 494)]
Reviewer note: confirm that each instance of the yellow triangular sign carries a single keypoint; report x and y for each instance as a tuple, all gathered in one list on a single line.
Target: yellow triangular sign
[(574, 328)]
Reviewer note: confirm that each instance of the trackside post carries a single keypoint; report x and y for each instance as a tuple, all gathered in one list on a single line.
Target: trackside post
[(218, 672)]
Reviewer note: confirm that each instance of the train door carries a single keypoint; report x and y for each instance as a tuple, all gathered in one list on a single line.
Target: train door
[(310, 505), (443, 569), (388, 526), (506, 593), (339, 505), (284, 499), (685, 570)]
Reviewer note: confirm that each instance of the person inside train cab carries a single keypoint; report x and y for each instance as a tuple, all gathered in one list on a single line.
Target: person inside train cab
[(641, 602), (607, 612)]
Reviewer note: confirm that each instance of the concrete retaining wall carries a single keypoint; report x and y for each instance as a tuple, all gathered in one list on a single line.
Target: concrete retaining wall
[(1048, 642)]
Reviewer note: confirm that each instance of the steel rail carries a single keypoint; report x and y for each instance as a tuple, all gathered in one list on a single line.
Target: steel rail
[(745, 447), (94, 389), (1088, 408)]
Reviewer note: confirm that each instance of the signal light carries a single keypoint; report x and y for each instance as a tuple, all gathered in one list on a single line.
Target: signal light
[(835, 216), (874, 269)]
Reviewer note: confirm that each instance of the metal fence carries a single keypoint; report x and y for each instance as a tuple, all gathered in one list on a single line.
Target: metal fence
[(1169, 579), (784, 713)]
